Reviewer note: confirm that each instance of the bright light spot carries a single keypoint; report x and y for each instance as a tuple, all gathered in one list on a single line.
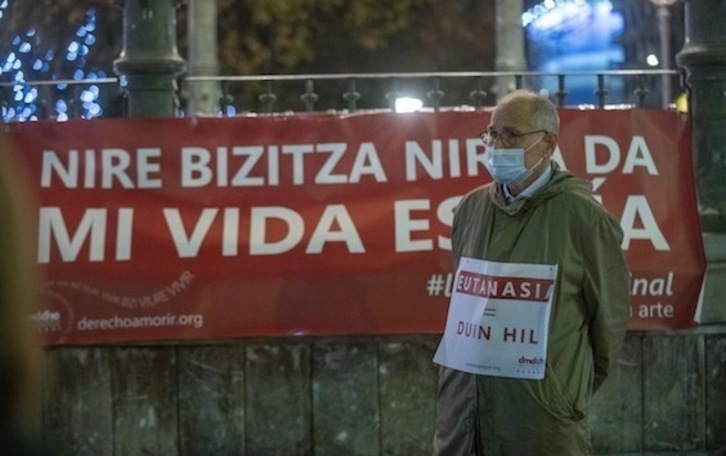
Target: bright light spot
[(550, 12), (78, 74), (408, 104), (652, 60), (25, 48), (90, 94), (682, 103), (73, 47), (31, 95), (31, 32), (87, 96), (38, 65)]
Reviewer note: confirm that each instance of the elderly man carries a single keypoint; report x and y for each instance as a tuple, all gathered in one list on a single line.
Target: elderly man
[(540, 302)]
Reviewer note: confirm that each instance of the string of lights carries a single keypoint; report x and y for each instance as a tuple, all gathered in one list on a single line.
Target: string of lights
[(22, 63)]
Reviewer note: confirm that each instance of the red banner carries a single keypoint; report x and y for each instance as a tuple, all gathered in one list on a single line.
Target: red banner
[(179, 229)]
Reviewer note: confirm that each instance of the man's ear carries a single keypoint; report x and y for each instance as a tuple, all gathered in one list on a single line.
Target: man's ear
[(551, 141)]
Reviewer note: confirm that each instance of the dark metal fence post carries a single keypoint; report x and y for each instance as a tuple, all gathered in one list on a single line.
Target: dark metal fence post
[(561, 90), (479, 95), (393, 95), (641, 91), (436, 95), (309, 97), (601, 91), (352, 96), (226, 99), (268, 98)]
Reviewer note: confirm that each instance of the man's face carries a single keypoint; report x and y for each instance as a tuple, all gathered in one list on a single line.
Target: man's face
[(510, 128)]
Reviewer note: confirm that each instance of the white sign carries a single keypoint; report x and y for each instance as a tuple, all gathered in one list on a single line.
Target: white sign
[(498, 319)]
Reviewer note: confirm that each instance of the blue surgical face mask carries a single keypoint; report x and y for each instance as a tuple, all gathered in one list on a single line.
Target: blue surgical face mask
[(506, 166)]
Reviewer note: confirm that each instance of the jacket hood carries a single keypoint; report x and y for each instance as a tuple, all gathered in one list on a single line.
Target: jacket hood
[(560, 181)]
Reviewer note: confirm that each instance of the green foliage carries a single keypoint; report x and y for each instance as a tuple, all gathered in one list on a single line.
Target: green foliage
[(277, 36)]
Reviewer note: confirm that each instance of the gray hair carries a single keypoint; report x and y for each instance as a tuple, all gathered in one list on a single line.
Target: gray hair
[(541, 111)]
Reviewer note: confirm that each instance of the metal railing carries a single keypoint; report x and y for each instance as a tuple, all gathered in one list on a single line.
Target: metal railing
[(69, 99)]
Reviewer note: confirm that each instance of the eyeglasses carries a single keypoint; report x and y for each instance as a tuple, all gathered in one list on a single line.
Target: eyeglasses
[(506, 138)]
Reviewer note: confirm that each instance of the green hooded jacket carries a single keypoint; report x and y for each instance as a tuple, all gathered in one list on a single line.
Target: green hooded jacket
[(561, 224)]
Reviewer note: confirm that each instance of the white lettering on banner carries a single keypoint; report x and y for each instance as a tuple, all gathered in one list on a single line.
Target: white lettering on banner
[(335, 225), (159, 296), (637, 210), (652, 287), (405, 225), (52, 226), (656, 310), (325, 175), (259, 245), (241, 166), (118, 322), (638, 155), (367, 162), (188, 246), (433, 162), (114, 167), (323, 232), (659, 286)]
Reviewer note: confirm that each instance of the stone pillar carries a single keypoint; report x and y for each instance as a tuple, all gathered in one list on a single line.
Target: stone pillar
[(704, 58), (203, 60), (149, 59)]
